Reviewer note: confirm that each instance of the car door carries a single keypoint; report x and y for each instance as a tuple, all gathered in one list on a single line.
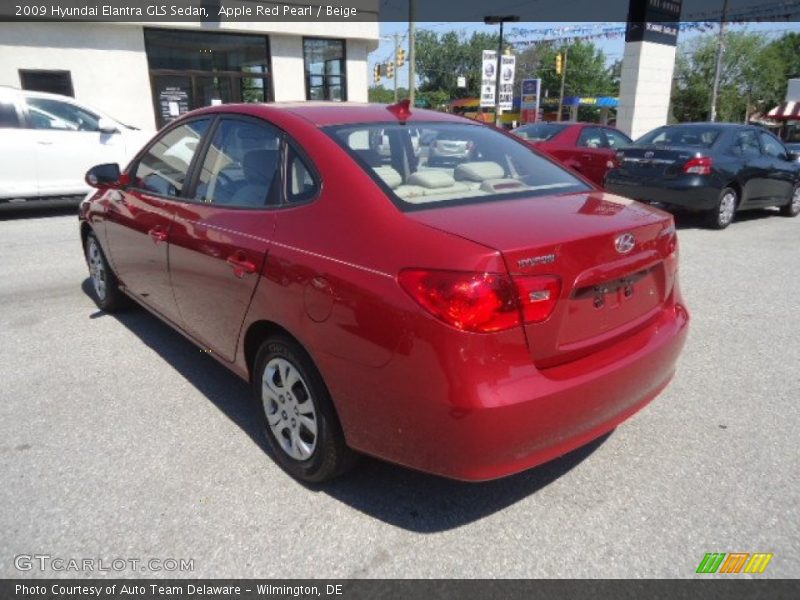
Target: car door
[(593, 153), (753, 168), (139, 218), (17, 153), (220, 238), (615, 139), (783, 173), (69, 143)]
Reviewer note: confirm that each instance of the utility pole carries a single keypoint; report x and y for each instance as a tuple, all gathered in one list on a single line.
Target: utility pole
[(563, 79), (396, 54), (718, 68), (412, 9)]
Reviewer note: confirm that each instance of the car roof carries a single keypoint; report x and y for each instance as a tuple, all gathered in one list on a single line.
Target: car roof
[(322, 114)]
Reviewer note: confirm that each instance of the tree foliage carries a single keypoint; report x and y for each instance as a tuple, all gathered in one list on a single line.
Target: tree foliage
[(442, 58), (752, 76)]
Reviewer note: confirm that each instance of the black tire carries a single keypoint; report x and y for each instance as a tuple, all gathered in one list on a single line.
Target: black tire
[(724, 209), (792, 208), (289, 437), (103, 283)]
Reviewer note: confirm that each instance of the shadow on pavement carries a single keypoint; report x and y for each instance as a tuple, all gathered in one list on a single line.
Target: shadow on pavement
[(695, 220), (401, 497), (24, 210)]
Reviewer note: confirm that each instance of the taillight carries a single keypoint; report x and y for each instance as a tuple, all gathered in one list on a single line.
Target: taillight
[(699, 166), (481, 302)]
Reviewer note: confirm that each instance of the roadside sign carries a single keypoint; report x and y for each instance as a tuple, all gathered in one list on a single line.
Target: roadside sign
[(529, 101)]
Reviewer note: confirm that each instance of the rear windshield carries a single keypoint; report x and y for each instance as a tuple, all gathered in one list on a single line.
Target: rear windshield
[(541, 132), (430, 164), (678, 135)]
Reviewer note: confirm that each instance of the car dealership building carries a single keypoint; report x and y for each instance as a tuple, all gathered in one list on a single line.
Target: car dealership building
[(146, 74)]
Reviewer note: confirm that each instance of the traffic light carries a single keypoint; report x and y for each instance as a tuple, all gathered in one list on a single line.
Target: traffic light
[(558, 63), (390, 70), (377, 73), (401, 57)]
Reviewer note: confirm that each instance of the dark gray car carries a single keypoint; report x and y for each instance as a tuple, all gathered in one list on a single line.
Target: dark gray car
[(711, 167)]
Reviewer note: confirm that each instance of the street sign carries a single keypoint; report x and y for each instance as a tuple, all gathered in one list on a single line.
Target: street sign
[(462, 82), (488, 75), (529, 101), (506, 95)]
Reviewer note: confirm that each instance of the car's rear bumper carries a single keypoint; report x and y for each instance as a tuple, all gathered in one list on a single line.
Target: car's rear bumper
[(691, 191), (499, 419)]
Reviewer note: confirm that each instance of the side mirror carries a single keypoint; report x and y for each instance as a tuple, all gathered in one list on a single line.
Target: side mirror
[(105, 176), (107, 126)]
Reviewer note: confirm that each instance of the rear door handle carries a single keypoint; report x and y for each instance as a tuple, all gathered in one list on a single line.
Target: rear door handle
[(157, 234), (241, 264)]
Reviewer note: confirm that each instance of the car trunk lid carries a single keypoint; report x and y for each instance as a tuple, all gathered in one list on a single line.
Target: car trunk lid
[(647, 162), (610, 284)]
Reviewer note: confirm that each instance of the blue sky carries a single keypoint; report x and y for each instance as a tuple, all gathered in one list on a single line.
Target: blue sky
[(613, 48)]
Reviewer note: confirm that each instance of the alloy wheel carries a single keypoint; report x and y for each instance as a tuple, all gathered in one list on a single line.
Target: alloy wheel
[(289, 408), (727, 206), (97, 268)]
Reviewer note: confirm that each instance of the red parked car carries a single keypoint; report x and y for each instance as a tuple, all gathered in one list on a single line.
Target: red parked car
[(587, 148), (470, 320)]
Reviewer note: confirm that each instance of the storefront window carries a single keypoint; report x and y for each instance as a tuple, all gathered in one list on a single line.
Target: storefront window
[(326, 74), (192, 69)]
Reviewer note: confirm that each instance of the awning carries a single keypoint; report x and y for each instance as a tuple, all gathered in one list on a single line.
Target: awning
[(785, 111)]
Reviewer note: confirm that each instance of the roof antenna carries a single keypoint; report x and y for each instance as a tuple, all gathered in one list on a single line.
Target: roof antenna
[(401, 110)]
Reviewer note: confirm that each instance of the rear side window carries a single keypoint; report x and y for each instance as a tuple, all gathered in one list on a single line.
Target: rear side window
[(163, 169), (617, 139), (592, 137), (301, 185), (241, 167), (772, 147), (8, 115), (540, 132), (436, 163), (745, 144)]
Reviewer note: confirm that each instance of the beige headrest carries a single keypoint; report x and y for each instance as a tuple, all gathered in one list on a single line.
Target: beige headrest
[(431, 179), (389, 175), (479, 171)]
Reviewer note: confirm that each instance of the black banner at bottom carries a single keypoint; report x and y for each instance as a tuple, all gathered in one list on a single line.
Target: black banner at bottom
[(347, 589)]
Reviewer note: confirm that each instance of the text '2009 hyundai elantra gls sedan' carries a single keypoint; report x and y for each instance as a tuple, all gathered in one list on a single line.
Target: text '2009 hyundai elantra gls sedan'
[(472, 319)]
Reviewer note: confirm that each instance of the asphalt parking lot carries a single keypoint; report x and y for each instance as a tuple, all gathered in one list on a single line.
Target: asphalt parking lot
[(119, 439)]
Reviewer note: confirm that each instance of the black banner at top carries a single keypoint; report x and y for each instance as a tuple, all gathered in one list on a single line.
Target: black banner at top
[(422, 11), (653, 21)]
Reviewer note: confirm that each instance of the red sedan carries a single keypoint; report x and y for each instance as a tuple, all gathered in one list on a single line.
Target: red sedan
[(587, 148), (470, 319)]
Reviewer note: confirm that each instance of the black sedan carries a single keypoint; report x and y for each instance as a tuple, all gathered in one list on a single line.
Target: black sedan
[(711, 167)]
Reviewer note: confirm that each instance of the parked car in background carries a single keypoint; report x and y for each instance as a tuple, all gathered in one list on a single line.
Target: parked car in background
[(587, 148), (715, 168), (471, 321), (47, 142)]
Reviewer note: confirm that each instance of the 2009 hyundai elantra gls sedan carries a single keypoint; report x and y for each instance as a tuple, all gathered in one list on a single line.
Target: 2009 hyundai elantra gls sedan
[(472, 320)]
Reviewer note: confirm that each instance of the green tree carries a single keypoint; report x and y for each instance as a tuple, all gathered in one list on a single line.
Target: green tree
[(442, 58), (752, 77), (383, 95)]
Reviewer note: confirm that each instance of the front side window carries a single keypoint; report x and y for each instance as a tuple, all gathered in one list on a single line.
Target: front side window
[(241, 167), (163, 169), (435, 163), (772, 147), (45, 113), (326, 74)]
